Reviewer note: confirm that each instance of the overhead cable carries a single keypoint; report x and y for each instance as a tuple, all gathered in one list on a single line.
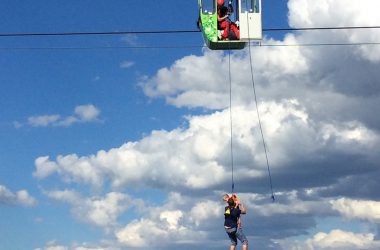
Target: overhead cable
[(174, 31), (187, 46)]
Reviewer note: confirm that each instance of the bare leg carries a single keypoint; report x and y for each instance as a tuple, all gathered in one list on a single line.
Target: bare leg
[(244, 247), (232, 247)]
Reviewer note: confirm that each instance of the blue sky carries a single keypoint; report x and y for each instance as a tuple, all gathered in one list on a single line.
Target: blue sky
[(109, 149)]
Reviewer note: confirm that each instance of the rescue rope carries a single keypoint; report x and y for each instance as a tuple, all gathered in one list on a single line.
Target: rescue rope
[(231, 131), (257, 107)]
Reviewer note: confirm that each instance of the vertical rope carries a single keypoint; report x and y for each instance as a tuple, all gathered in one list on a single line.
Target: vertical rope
[(231, 131), (257, 108)]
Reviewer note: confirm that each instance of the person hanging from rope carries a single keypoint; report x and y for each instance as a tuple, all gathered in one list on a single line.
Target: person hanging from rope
[(232, 222), (230, 30), (225, 198)]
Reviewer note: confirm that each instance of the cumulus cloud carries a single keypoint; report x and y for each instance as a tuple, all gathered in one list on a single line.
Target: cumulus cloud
[(187, 83), (52, 245), (170, 222), (292, 203), (337, 240), (21, 197), (337, 13), (91, 248), (87, 112), (198, 157), (82, 113), (44, 167), (358, 209), (94, 248), (331, 82), (99, 211)]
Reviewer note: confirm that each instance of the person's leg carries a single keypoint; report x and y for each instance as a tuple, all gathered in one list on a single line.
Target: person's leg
[(226, 29), (231, 232), (235, 29), (243, 239)]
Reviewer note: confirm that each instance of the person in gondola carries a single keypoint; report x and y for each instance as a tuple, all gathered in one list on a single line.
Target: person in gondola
[(230, 30), (232, 222)]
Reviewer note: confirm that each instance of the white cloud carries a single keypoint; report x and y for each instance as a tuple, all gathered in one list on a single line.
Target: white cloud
[(165, 225), (52, 245), (291, 205), (203, 211), (44, 167), (160, 225), (187, 83), (82, 113), (332, 13), (92, 248), (67, 121), (203, 81), (87, 112), (337, 13), (330, 82), (171, 218), (198, 157), (56, 247), (21, 197), (99, 211), (358, 209), (126, 64), (336, 240), (176, 158), (43, 120), (134, 234)]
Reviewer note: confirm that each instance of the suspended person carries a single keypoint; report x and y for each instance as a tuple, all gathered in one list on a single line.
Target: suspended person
[(225, 24), (225, 198), (237, 204), (234, 231)]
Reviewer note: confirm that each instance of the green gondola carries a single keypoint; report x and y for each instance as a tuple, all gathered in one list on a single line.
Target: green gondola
[(247, 17)]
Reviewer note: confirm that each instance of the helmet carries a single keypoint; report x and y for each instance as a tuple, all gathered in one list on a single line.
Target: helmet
[(220, 2)]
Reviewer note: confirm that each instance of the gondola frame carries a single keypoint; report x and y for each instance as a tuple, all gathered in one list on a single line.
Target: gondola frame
[(251, 24)]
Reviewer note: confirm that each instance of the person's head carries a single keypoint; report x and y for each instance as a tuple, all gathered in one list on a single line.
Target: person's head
[(226, 197), (220, 2), (231, 202)]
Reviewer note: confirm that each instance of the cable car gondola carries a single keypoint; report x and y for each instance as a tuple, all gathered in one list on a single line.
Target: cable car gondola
[(245, 14)]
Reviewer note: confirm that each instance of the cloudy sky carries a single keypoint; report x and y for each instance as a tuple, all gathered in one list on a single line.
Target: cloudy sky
[(118, 148)]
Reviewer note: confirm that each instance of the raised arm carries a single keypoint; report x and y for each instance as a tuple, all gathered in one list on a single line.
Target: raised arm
[(242, 208)]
